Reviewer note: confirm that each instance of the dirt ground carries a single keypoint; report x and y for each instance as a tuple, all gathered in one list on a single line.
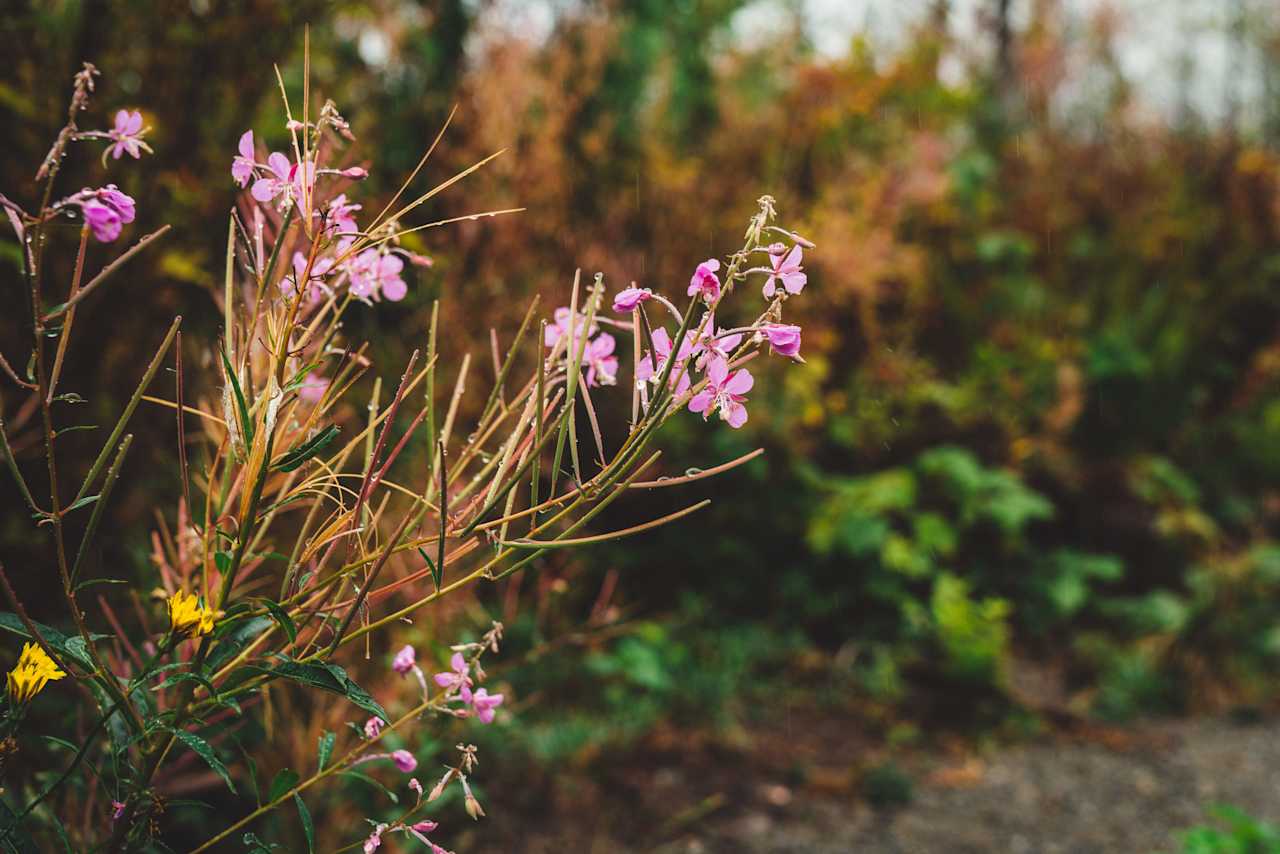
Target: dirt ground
[(1100, 790)]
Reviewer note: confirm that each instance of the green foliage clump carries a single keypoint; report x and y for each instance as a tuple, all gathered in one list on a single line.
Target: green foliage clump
[(1242, 834)]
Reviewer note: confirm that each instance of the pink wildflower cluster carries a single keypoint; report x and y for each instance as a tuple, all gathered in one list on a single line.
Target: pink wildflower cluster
[(456, 681), (369, 266), (597, 358), (712, 350)]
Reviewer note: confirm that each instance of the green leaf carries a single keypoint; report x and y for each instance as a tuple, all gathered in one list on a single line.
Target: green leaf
[(282, 618), (61, 742), (327, 677), (204, 750), (282, 783), (308, 829), (436, 574), (191, 676), (242, 411), (83, 502), (325, 750), (308, 449), (89, 582), (235, 640)]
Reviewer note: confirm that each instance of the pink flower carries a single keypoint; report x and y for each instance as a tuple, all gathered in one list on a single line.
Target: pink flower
[(560, 328), (404, 660), (415, 785), (277, 181), (117, 810), (484, 703), (342, 215), (373, 727), (705, 281), (425, 826), (356, 173), (127, 134), (786, 269), (712, 344), (320, 269), (784, 339), (646, 371), (106, 210), (458, 678), (404, 760), (242, 163), (724, 392), (118, 200), (600, 360), (103, 219), (374, 842), (374, 273), (627, 301), (302, 179)]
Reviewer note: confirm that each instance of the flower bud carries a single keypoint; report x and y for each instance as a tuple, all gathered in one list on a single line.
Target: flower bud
[(404, 760)]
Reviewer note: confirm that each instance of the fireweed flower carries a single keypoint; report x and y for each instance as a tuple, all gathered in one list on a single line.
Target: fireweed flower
[(33, 671), (713, 345), (405, 663), (127, 135), (457, 678), (484, 704), (106, 210), (374, 842), (242, 165), (321, 268), (374, 273), (276, 182), (724, 393), (403, 759), (783, 338), (786, 269), (646, 371), (341, 216), (600, 361), (188, 616), (373, 727), (420, 829), (705, 281), (628, 300), (560, 328)]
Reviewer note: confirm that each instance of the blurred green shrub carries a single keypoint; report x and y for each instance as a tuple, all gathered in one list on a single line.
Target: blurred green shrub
[(1242, 834)]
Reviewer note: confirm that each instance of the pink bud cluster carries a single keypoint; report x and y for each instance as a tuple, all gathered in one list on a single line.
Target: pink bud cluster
[(713, 350)]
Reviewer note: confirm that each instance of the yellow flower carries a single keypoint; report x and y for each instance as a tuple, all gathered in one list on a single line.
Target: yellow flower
[(188, 615), (32, 672)]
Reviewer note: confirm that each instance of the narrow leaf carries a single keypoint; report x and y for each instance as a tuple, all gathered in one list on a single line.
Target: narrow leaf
[(204, 750)]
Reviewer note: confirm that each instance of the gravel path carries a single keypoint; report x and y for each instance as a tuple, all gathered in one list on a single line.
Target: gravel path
[(1066, 796), (798, 789)]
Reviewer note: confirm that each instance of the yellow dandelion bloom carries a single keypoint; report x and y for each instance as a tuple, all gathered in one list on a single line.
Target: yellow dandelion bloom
[(188, 616), (32, 672)]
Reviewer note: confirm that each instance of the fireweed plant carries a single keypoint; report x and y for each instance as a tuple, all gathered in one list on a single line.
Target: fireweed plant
[(293, 539)]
